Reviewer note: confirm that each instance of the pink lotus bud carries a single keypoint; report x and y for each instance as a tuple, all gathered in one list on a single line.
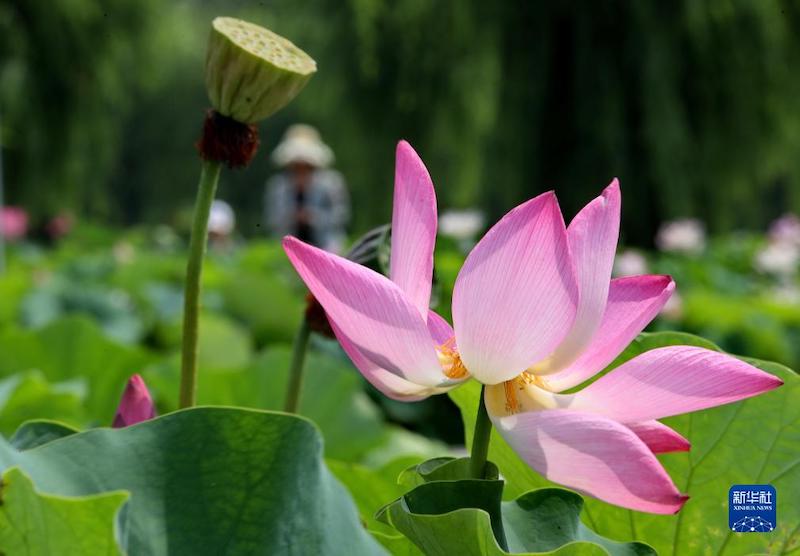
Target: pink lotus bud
[(136, 404)]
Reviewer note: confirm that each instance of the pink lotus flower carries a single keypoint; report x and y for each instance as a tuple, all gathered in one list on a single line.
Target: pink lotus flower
[(535, 313), (13, 223), (136, 404)]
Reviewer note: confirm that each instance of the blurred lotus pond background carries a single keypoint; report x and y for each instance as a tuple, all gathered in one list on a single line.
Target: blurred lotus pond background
[(693, 105)]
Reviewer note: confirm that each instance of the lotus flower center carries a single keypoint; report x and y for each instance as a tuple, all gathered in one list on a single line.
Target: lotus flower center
[(452, 367)]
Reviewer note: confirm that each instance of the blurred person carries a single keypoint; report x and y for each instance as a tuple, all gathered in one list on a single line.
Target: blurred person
[(687, 235), (307, 199)]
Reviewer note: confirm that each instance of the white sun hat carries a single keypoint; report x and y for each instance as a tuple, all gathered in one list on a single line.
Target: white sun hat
[(302, 143)]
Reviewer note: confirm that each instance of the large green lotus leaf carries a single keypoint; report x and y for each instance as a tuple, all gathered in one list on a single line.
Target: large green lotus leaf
[(443, 469), (749, 442), (29, 395), (332, 396), (466, 517), (38, 524), (73, 347), (469, 499), (550, 517), (209, 481), (39, 431)]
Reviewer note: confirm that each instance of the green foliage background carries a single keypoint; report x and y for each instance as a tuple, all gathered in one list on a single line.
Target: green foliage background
[(693, 103)]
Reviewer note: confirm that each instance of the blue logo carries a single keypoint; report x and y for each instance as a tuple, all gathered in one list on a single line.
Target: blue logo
[(752, 508)]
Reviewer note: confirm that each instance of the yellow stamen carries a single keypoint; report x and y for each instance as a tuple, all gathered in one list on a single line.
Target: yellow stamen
[(526, 378), (452, 367), (512, 404), (511, 386)]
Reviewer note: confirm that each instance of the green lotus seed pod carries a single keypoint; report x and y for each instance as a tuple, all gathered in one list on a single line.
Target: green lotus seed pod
[(251, 72)]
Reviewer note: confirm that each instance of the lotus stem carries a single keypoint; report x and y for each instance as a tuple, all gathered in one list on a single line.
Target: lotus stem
[(295, 386), (480, 440), (209, 176)]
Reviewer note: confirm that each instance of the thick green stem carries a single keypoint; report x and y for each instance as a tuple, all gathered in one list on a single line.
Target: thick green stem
[(480, 440), (209, 176), (296, 370)]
